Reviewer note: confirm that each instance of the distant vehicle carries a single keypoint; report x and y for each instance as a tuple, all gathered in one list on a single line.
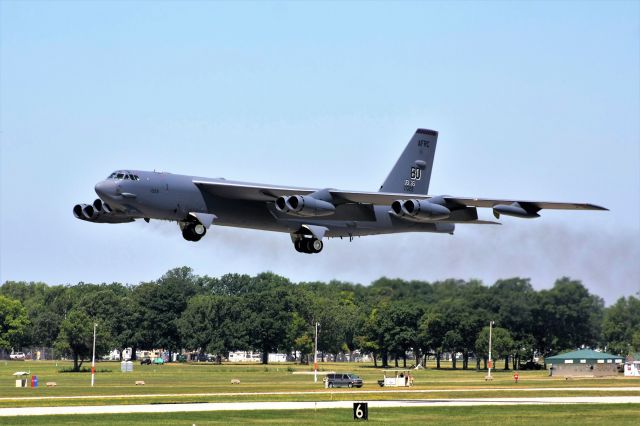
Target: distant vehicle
[(18, 356), (396, 378), (343, 379), (206, 358), (308, 214), (145, 361)]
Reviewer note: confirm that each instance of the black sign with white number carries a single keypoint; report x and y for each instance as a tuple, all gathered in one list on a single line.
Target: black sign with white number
[(360, 411)]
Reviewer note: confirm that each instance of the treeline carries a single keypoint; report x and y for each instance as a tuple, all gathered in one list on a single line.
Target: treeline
[(268, 313)]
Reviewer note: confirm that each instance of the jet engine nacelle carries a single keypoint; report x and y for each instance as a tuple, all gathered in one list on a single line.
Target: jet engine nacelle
[(101, 207), (515, 210), (304, 205), (99, 212), (77, 211), (90, 213), (420, 209)]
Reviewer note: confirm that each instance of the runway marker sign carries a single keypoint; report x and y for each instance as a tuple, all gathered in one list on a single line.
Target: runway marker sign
[(360, 411)]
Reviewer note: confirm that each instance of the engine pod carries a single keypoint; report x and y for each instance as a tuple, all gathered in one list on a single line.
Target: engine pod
[(426, 210), (515, 210), (304, 205)]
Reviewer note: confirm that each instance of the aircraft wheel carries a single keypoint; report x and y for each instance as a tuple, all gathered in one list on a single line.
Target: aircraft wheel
[(194, 232), (199, 229), (307, 245), (186, 234), (317, 245), (298, 245)]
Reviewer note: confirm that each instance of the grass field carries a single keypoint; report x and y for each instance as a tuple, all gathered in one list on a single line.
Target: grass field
[(202, 378), (182, 383), (521, 415)]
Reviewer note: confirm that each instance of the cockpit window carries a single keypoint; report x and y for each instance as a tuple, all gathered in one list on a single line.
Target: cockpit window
[(123, 174)]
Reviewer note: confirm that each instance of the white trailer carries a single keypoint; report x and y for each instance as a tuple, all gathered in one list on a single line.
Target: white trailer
[(396, 378), (632, 369)]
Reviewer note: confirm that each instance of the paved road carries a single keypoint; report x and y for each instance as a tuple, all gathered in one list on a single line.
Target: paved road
[(327, 392), (243, 406)]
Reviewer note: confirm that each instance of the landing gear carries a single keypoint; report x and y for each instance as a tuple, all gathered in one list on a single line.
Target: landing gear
[(193, 231), (308, 245)]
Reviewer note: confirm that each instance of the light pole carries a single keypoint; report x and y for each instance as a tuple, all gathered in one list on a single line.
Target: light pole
[(93, 358), (315, 357), (490, 362)]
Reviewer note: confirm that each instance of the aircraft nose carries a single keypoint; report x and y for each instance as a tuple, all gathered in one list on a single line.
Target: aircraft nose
[(106, 189)]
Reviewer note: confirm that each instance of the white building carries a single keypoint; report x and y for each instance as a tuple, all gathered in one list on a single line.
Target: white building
[(632, 369), (277, 357), (244, 356)]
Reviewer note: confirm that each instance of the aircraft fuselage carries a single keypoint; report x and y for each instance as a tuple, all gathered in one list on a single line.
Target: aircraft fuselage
[(173, 197)]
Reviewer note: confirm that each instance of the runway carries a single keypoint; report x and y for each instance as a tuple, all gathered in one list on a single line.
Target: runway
[(328, 392), (245, 406)]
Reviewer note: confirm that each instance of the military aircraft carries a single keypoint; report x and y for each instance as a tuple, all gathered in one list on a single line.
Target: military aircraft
[(308, 215)]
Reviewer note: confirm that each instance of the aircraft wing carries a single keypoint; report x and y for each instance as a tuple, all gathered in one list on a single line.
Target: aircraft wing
[(388, 198), (248, 191), (489, 203), (259, 192)]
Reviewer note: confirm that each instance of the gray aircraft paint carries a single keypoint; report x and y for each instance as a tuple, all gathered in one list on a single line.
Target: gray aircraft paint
[(418, 155), (401, 205)]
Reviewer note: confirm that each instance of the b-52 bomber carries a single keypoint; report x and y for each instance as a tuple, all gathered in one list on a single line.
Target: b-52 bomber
[(308, 215)]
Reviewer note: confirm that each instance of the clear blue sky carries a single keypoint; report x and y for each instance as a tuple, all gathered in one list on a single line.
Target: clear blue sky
[(532, 101)]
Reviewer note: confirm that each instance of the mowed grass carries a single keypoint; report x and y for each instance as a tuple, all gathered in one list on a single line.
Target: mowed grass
[(180, 383), (597, 414)]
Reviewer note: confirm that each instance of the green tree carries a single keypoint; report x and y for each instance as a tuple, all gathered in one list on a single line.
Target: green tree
[(269, 314), (512, 303), (501, 344), (109, 305), (621, 321), (13, 323), (403, 333), (635, 341), (159, 305), (301, 336), (379, 332), (213, 324), (432, 331), (461, 318), (76, 337), (567, 317), (452, 343)]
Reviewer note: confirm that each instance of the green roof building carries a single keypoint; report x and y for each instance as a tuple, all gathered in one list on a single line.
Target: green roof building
[(584, 363)]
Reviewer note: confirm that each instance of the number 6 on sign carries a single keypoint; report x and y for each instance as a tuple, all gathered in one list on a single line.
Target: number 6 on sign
[(360, 411)]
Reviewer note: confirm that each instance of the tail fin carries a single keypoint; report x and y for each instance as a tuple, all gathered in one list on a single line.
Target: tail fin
[(412, 172)]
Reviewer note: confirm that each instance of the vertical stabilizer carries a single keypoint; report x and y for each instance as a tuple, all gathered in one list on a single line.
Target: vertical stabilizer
[(412, 172)]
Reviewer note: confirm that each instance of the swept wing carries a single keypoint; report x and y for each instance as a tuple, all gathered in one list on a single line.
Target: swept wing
[(258, 192)]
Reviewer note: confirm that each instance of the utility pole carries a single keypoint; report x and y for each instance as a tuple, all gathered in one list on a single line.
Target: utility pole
[(93, 358), (490, 361), (315, 357)]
